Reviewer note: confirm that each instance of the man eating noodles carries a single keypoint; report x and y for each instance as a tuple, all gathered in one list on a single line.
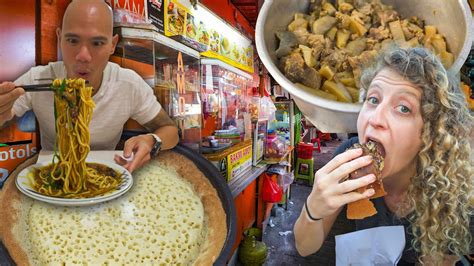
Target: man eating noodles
[(86, 40)]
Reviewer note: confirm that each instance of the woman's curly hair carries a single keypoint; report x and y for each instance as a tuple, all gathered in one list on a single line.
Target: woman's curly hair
[(439, 198)]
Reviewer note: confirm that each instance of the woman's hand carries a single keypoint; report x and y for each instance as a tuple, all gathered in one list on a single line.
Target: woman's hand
[(137, 149), (8, 95), (332, 189)]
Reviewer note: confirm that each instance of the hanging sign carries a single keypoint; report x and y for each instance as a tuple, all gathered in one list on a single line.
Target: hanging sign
[(201, 25)]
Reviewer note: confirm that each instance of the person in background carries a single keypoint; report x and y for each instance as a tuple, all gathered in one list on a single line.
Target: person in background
[(87, 41), (419, 116)]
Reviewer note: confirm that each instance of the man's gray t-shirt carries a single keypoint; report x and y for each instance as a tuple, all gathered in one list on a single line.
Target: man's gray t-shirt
[(123, 94)]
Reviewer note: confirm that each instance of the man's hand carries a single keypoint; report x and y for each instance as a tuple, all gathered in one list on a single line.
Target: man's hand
[(8, 95), (139, 147)]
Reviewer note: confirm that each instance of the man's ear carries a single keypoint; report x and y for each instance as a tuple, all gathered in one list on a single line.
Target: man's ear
[(115, 39)]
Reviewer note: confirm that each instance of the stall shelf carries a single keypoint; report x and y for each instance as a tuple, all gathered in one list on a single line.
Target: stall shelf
[(284, 122), (239, 184)]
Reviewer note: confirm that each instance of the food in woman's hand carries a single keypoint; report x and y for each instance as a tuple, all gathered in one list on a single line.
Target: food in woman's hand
[(337, 41), (365, 208)]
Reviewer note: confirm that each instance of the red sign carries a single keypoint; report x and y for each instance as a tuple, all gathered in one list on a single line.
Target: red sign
[(131, 11), (20, 146)]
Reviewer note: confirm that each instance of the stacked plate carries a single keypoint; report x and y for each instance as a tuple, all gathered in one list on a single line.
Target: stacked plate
[(23, 183)]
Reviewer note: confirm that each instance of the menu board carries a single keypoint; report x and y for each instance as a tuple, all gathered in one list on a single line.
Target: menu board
[(222, 41), (155, 10)]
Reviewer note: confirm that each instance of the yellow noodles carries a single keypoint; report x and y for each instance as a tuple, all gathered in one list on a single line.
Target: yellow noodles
[(69, 175)]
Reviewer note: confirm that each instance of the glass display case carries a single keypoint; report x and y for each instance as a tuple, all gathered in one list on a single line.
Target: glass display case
[(284, 122), (226, 94), (259, 136), (172, 70)]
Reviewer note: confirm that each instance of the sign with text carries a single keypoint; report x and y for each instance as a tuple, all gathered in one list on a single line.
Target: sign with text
[(16, 145), (156, 15), (223, 42), (129, 11), (199, 27)]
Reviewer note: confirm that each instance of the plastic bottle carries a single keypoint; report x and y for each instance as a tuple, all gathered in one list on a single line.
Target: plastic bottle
[(285, 117), (287, 141)]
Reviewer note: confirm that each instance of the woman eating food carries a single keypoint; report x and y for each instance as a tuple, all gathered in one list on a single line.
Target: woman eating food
[(415, 118)]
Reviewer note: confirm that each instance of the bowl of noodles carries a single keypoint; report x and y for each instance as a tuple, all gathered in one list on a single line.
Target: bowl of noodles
[(68, 178), (113, 181)]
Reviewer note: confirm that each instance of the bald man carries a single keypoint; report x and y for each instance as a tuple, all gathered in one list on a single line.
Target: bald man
[(86, 40)]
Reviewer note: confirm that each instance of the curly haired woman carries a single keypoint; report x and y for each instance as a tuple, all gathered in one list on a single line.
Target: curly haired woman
[(420, 118)]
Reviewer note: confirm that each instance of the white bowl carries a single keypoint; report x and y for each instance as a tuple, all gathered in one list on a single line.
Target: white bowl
[(453, 19)]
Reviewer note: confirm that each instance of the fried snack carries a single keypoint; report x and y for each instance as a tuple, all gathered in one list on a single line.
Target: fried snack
[(365, 208)]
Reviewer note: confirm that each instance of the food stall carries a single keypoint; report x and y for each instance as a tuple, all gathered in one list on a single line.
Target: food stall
[(218, 109), (226, 92)]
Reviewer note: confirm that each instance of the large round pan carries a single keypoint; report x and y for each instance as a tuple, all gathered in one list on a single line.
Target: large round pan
[(219, 183)]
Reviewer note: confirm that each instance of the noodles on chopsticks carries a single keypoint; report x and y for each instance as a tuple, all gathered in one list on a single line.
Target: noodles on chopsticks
[(69, 176)]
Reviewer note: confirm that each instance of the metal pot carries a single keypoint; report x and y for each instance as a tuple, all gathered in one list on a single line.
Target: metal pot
[(452, 17)]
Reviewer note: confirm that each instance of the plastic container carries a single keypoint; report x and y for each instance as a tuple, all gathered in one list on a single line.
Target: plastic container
[(274, 147), (254, 108), (305, 150), (271, 134)]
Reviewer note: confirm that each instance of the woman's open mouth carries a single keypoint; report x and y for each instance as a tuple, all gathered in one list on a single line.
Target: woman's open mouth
[(380, 148)]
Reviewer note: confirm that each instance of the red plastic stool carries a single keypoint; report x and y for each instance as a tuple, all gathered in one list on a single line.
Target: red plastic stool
[(318, 148), (324, 136)]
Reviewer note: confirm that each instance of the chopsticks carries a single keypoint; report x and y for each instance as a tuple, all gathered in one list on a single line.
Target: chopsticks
[(40, 87), (37, 87)]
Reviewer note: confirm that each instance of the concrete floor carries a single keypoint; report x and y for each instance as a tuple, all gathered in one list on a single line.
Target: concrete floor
[(280, 239)]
